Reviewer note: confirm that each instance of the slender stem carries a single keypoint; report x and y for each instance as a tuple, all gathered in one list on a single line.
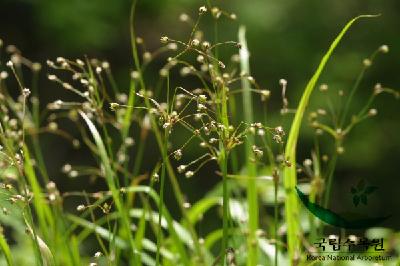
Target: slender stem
[(329, 179), (161, 203), (252, 197), (225, 221)]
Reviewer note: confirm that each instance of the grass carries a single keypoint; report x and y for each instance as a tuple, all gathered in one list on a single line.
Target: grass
[(133, 221)]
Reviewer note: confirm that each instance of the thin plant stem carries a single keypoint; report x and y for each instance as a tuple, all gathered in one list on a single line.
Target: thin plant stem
[(252, 197)]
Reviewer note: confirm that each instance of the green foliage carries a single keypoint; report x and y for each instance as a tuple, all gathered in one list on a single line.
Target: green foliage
[(144, 215)]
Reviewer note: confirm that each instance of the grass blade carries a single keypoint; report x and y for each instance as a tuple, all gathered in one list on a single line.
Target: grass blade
[(6, 250), (110, 178), (291, 202), (252, 199)]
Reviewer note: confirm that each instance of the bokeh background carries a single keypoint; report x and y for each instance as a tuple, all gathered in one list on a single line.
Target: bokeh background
[(287, 38)]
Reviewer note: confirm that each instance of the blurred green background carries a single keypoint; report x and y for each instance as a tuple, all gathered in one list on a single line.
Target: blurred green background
[(286, 38)]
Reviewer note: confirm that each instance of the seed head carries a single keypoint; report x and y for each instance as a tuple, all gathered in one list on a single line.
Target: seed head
[(135, 75), (52, 126), (261, 132), (378, 89), (372, 112), (164, 39), (76, 143), (60, 60), (156, 177), (105, 65), (279, 130), (167, 125), (172, 46), (26, 92), (202, 98), (78, 61), (216, 12), (52, 77), (129, 141), (10, 63), (250, 78), (98, 254), (340, 150), (114, 106), (283, 82), (200, 58), (139, 40), (257, 152), (277, 138), (73, 174), (80, 208), (3, 75), (163, 72), (384, 49), (195, 42), (146, 56), (205, 45), (307, 162), (50, 63), (201, 107), (181, 168), (367, 62), (189, 174), (202, 10), (178, 154), (184, 17), (265, 94), (323, 87), (213, 140)]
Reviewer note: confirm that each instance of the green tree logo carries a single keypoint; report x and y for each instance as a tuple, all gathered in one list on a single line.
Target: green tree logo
[(361, 192)]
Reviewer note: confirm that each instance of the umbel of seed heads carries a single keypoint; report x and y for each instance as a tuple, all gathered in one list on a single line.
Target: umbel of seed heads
[(200, 47)]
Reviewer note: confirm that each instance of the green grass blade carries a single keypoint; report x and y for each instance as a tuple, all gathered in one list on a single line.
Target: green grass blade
[(291, 202), (45, 217), (252, 199), (6, 250), (111, 182)]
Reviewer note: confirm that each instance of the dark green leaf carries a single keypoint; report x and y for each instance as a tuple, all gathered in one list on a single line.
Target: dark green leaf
[(364, 199), (370, 189), (356, 200), (353, 190)]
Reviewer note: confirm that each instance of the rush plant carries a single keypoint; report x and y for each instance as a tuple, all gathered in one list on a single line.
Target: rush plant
[(189, 127)]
